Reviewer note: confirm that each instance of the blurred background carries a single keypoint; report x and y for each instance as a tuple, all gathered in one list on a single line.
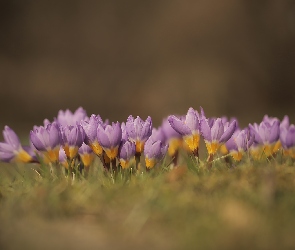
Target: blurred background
[(117, 58)]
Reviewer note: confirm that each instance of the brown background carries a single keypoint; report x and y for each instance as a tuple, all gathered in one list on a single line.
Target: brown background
[(144, 58)]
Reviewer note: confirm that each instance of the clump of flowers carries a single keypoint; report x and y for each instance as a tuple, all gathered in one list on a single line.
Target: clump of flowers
[(73, 140)]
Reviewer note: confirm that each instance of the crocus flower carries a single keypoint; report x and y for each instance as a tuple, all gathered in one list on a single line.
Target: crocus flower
[(72, 139), (86, 155), (47, 140), (239, 143), (173, 138), (66, 118), (138, 131), (287, 138), (283, 124), (110, 138), (216, 134), (126, 153), (11, 149), (266, 136), (154, 150), (63, 158), (188, 128), (90, 129)]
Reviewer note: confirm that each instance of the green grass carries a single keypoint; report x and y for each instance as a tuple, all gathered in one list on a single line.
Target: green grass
[(251, 206)]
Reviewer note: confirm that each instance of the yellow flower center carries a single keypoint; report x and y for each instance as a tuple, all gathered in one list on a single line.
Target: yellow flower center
[(23, 156), (192, 141), (212, 147), (150, 163)]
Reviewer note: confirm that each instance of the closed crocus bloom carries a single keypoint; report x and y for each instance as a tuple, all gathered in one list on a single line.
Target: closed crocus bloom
[(283, 124), (138, 131), (239, 143), (188, 128), (153, 152), (66, 118), (90, 129), (110, 138), (173, 138), (266, 135), (126, 153), (86, 154), (287, 138), (47, 140), (63, 158), (72, 139), (217, 134), (11, 149)]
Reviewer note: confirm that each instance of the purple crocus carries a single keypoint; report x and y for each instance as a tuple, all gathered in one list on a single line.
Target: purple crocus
[(172, 138), (63, 158), (126, 153), (11, 149), (90, 129), (239, 143), (283, 124), (287, 138), (86, 154), (109, 137), (138, 131), (72, 139), (216, 133), (66, 118), (154, 150), (47, 140), (266, 135), (189, 128)]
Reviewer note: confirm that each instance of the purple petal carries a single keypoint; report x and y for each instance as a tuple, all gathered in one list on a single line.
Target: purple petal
[(205, 130), (54, 135), (192, 120), (130, 129), (178, 125), (217, 130), (11, 138), (229, 132), (102, 137), (146, 130), (255, 129), (38, 144), (290, 138), (116, 135), (274, 132)]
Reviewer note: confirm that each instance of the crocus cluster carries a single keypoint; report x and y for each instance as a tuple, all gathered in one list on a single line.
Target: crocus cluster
[(74, 137)]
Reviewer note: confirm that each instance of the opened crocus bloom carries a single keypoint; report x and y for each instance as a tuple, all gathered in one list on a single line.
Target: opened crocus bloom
[(11, 149), (216, 134), (188, 128), (72, 139), (266, 136), (110, 138), (138, 131), (154, 150), (239, 143), (47, 140)]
